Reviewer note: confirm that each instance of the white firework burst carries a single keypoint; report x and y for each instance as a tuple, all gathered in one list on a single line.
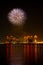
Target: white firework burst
[(17, 16)]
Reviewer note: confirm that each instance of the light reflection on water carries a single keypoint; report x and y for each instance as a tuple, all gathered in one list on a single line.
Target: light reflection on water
[(26, 52), (34, 52)]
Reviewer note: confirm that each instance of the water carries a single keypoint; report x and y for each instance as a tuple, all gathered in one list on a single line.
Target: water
[(21, 54)]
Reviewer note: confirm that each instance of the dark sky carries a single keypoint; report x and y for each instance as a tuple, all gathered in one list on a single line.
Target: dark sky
[(34, 22)]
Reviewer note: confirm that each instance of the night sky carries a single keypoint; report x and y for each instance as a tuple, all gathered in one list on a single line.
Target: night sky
[(33, 24)]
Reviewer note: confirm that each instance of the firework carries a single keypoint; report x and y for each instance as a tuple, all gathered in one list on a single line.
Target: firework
[(17, 16)]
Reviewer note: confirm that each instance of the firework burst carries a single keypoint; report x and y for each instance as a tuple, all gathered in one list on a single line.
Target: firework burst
[(17, 16)]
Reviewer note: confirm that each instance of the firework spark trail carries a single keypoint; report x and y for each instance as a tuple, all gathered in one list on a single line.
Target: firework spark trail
[(17, 16)]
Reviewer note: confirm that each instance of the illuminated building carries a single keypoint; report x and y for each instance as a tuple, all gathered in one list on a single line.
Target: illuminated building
[(25, 38), (35, 38), (30, 39)]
